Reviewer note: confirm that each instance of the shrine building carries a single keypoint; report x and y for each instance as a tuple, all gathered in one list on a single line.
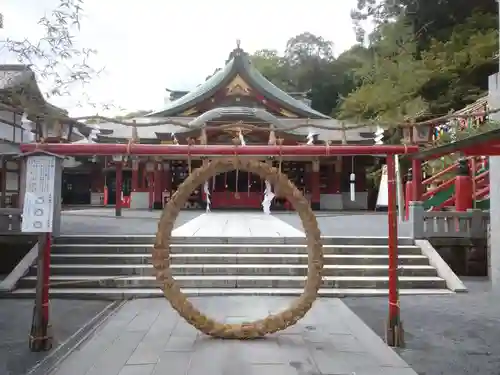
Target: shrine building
[(237, 102)]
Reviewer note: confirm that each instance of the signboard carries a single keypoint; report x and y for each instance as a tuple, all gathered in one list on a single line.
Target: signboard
[(38, 209)]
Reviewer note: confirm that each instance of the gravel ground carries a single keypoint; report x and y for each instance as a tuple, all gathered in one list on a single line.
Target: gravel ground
[(67, 317), (445, 335)]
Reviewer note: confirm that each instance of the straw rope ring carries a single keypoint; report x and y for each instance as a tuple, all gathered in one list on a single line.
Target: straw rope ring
[(267, 325)]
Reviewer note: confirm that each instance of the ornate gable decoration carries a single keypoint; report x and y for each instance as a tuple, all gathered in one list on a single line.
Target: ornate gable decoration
[(238, 87)]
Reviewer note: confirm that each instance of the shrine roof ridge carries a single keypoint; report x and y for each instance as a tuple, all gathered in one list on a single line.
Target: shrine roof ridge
[(239, 64)]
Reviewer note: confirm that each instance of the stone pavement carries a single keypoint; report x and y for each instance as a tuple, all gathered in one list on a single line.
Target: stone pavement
[(67, 318), (236, 224), (102, 220), (146, 337)]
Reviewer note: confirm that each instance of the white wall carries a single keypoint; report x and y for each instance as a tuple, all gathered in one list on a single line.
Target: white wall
[(494, 102)]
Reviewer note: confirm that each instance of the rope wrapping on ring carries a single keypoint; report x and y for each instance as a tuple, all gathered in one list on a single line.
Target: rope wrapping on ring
[(173, 293)]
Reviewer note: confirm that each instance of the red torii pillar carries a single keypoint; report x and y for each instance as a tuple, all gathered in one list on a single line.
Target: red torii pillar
[(394, 329)]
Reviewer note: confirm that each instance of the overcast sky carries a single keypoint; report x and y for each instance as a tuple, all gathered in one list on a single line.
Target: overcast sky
[(149, 45)]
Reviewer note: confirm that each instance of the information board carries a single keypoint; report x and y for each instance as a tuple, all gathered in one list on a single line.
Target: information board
[(38, 209)]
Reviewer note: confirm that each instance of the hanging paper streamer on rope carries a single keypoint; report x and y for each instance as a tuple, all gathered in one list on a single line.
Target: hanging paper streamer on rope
[(207, 194), (242, 139), (310, 137), (352, 180), (174, 139), (268, 198)]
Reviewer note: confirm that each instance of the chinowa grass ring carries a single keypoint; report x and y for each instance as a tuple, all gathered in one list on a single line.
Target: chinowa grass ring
[(161, 253)]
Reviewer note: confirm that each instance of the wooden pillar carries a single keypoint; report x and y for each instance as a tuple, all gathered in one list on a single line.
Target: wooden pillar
[(315, 186), (135, 175), (463, 187), (416, 166), (4, 183), (149, 174), (167, 177), (330, 178), (118, 188), (157, 201), (338, 175)]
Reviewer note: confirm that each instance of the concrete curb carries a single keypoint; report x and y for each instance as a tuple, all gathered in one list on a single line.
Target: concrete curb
[(61, 352), (10, 282), (453, 282)]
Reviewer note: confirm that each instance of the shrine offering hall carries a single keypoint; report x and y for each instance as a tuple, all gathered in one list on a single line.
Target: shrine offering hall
[(237, 104)]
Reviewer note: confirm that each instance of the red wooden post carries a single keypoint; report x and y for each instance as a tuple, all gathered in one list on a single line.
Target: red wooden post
[(315, 186), (157, 202), (416, 166), (46, 278), (118, 188), (463, 187), (394, 331), (408, 194), (135, 175)]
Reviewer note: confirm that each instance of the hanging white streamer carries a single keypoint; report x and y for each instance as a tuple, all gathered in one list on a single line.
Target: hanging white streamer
[(268, 198), (242, 140), (310, 137), (352, 179), (92, 138), (207, 193)]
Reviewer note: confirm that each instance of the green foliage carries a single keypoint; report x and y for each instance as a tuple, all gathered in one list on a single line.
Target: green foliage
[(425, 57), (308, 66)]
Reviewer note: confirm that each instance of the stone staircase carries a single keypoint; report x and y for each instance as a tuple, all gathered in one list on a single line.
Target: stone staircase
[(117, 267)]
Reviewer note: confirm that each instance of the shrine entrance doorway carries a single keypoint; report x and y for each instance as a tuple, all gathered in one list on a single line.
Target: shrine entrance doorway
[(237, 190)]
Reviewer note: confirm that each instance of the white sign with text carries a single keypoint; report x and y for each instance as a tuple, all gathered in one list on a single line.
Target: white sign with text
[(38, 209)]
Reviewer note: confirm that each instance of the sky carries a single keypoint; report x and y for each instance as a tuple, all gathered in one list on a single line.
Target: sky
[(149, 45)]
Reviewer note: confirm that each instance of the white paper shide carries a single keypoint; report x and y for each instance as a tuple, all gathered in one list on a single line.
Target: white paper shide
[(38, 210)]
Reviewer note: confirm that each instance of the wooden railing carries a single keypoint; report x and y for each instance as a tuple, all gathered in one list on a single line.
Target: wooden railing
[(480, 184), (10, 220), (450, 224)]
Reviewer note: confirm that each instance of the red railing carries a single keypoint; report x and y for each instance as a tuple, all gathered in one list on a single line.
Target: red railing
[(480, 183)]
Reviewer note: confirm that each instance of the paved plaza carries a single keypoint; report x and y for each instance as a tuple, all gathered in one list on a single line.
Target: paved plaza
[(102, 220), (147, 337)]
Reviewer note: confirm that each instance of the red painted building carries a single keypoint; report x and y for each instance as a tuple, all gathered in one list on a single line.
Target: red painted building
[(236, 100)]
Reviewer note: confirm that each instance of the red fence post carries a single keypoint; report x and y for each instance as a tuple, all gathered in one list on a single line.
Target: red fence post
[(394, 329)]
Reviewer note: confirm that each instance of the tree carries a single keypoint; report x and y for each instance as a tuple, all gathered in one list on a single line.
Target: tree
[(390, 79), (54, 58), (309, 66), (427, 57), (273, 67)]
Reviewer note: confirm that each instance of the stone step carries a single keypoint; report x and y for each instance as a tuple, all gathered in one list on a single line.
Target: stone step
[(231, 281), (233, 258), (234, 269), (124, 293), (230, 248), (150, 239)]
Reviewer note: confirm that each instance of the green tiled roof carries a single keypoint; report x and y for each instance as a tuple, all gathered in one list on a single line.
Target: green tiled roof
[(239, 64)]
